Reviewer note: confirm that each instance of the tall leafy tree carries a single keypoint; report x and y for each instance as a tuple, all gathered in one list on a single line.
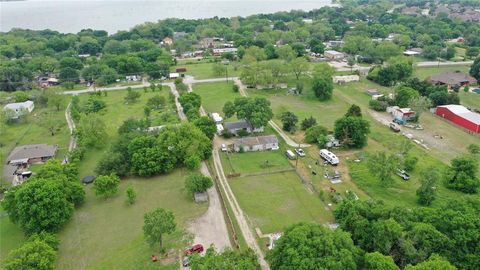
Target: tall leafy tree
[(157, 223), (312, 246), (289, 121), (31, 255), (462, 175), (352, 131), (378, 261), (383, 166), (106, 185), (322, 87)]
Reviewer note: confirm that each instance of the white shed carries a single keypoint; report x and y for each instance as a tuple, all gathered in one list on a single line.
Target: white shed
[(20, 108)]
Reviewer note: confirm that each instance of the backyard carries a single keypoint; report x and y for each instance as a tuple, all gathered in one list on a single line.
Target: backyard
[(275, 201), (34, 130), (119, 226), (214, 95)]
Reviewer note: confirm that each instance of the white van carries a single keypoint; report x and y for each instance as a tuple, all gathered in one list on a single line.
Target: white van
[(290, 154), (329, 156)]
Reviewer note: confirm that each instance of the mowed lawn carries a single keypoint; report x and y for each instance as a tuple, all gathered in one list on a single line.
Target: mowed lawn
[(470, 99), (255, 162), (215, 95), (11, 236), (274, 201), (204, 70), (117, 112), (34, 131), (424, 72), (107, 234)]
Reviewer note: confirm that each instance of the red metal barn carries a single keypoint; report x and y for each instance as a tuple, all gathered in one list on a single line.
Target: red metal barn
[(460, 116)]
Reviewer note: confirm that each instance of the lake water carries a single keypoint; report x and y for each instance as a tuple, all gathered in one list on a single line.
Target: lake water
[(112, 15)]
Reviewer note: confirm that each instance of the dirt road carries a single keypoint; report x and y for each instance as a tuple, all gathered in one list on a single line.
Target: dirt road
[(238, 212), (210, 228)]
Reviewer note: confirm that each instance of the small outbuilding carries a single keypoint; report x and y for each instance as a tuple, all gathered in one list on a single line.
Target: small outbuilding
[(174, 75), (88, 179), (333, 55), (200, 197), (345, 79), (20, 108)]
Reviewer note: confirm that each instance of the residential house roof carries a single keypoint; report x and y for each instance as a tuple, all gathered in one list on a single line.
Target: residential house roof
[(463, 112), (332, 52), (32, 151), (260, 140), (241, 124), (452, 78)]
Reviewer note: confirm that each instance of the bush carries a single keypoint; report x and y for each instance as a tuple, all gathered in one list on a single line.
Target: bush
[(243, 133), (379, 106), (235, 88), (313, 133), (308, 123), (197, 182), (409, 163)]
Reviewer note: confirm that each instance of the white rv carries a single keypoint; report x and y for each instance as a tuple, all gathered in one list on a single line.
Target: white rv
[(329, 157)]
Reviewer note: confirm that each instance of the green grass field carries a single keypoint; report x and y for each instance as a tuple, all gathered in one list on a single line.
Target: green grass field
[(107, 234), (117, 112), (254, 162), (275, 201), (424, 72), (470, 99), (33, 131), (204, 70), (11, 236), (214, 95)]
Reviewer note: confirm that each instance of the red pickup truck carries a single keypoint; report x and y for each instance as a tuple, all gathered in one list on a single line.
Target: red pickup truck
[(197, 248)]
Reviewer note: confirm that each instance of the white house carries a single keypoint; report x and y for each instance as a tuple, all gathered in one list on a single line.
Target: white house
[(333, 55), (20, 108), (260, 143)]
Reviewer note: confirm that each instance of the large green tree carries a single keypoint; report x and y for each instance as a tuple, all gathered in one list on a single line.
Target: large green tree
[(197, 182), (312, 246), (322, 87), (51, 210), (383, 166), (255, 110), (462, 175), (352, 131), (157, 223), (32, 255), (378, 261)]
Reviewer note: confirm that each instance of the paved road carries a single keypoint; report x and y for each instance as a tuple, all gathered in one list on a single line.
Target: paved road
[(242, 90)]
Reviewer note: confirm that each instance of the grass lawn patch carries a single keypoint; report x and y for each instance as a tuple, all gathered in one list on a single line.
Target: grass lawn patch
[(424, 72), (275, 201), (117, 112), (469, 99), (255, 162), (214, 95), (11, 237), (204, 70), (108, 234)]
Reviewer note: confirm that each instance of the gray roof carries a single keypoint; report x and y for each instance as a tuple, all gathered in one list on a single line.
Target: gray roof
[(32, 151), (452, 78), (260, 140), (237, 125)]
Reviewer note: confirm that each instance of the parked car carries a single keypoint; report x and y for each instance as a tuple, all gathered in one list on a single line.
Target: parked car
[(403, 174), (275, 147), (224, 147), (186, 261), (197, 248), (300, 152), (290, 154), (395, 127)]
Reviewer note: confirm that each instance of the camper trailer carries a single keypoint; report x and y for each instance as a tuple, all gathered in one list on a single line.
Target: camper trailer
[(329, 157), (290, 154)]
